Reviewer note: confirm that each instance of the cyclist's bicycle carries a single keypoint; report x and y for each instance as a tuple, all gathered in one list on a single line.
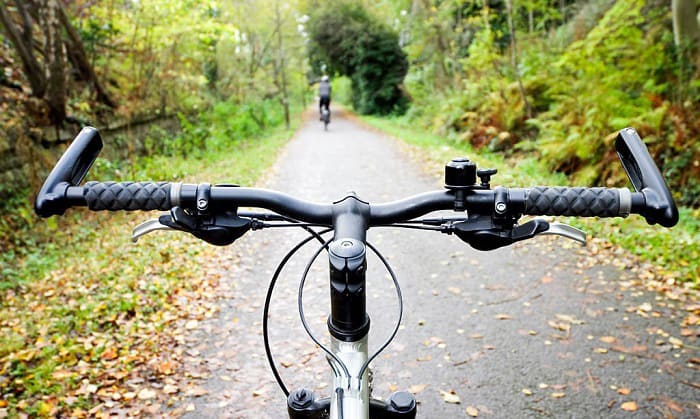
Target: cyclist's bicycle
[(483, 217), (325, 116)]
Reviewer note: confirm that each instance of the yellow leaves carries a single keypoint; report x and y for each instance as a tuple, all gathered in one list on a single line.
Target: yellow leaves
[(472, 411), (450, 396), (110, 353), (629, 406), (677, 343)]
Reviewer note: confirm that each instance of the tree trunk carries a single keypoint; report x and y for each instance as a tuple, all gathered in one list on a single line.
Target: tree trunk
[(282, 71), (514, 58), (87, 72), (55, 60), (686, 23), (24, 47)]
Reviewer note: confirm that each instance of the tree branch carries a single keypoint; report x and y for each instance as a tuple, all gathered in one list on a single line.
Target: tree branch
[(32, 69)]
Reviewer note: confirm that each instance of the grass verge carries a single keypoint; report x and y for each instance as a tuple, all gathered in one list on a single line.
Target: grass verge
[(85, 314), (669, 256)]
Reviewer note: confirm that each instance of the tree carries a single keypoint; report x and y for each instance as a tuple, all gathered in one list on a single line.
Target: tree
[(350, 42), (45, 67)]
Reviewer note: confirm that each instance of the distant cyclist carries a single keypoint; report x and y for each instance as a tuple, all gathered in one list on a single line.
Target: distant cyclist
[(324, 94)]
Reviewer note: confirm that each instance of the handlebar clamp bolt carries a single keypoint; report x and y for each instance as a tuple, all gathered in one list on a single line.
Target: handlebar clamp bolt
[(501, 207), (301, 399), (402, 401)]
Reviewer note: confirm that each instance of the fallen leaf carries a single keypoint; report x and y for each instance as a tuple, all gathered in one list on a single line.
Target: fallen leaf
[(607, 339), (673, 406), (147, 394), (166, 368), (624, 391), (675, 341), (629, 406), (450, 396), (198, 392), (503, 317), (569, 319), (646, 307), (527, 392), (558, 395), (564, 327), (109, 353), (472, 411), (169, 389)]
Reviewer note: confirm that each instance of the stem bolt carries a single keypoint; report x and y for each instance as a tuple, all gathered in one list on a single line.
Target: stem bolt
[(500, 207)]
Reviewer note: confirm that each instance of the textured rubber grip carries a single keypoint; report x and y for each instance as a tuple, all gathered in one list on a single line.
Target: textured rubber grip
[(127, 196), (579, 202)]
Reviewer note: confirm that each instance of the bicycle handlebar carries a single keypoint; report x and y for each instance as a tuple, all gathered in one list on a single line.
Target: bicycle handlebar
[(652, 199)]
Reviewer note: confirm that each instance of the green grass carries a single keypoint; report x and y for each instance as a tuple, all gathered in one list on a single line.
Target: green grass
[(675, 252), (82, 305)]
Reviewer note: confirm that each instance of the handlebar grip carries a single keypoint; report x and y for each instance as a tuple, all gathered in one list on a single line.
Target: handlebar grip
[(127, 196), (578, 202)]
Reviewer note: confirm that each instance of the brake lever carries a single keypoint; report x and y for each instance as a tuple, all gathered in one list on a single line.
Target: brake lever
[(148, 227), (565, 230)]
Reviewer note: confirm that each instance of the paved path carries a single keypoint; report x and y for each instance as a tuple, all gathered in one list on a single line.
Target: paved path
[(534, 330)]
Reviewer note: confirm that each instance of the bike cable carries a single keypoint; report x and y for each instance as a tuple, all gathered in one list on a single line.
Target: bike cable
[(268, 299), (399, 296), (301, 310), (386, 343)]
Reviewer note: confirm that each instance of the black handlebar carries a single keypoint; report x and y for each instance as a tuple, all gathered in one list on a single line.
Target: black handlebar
[(659, 207), (578, 202), (653, 200), (127, 196), (69, 171)]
